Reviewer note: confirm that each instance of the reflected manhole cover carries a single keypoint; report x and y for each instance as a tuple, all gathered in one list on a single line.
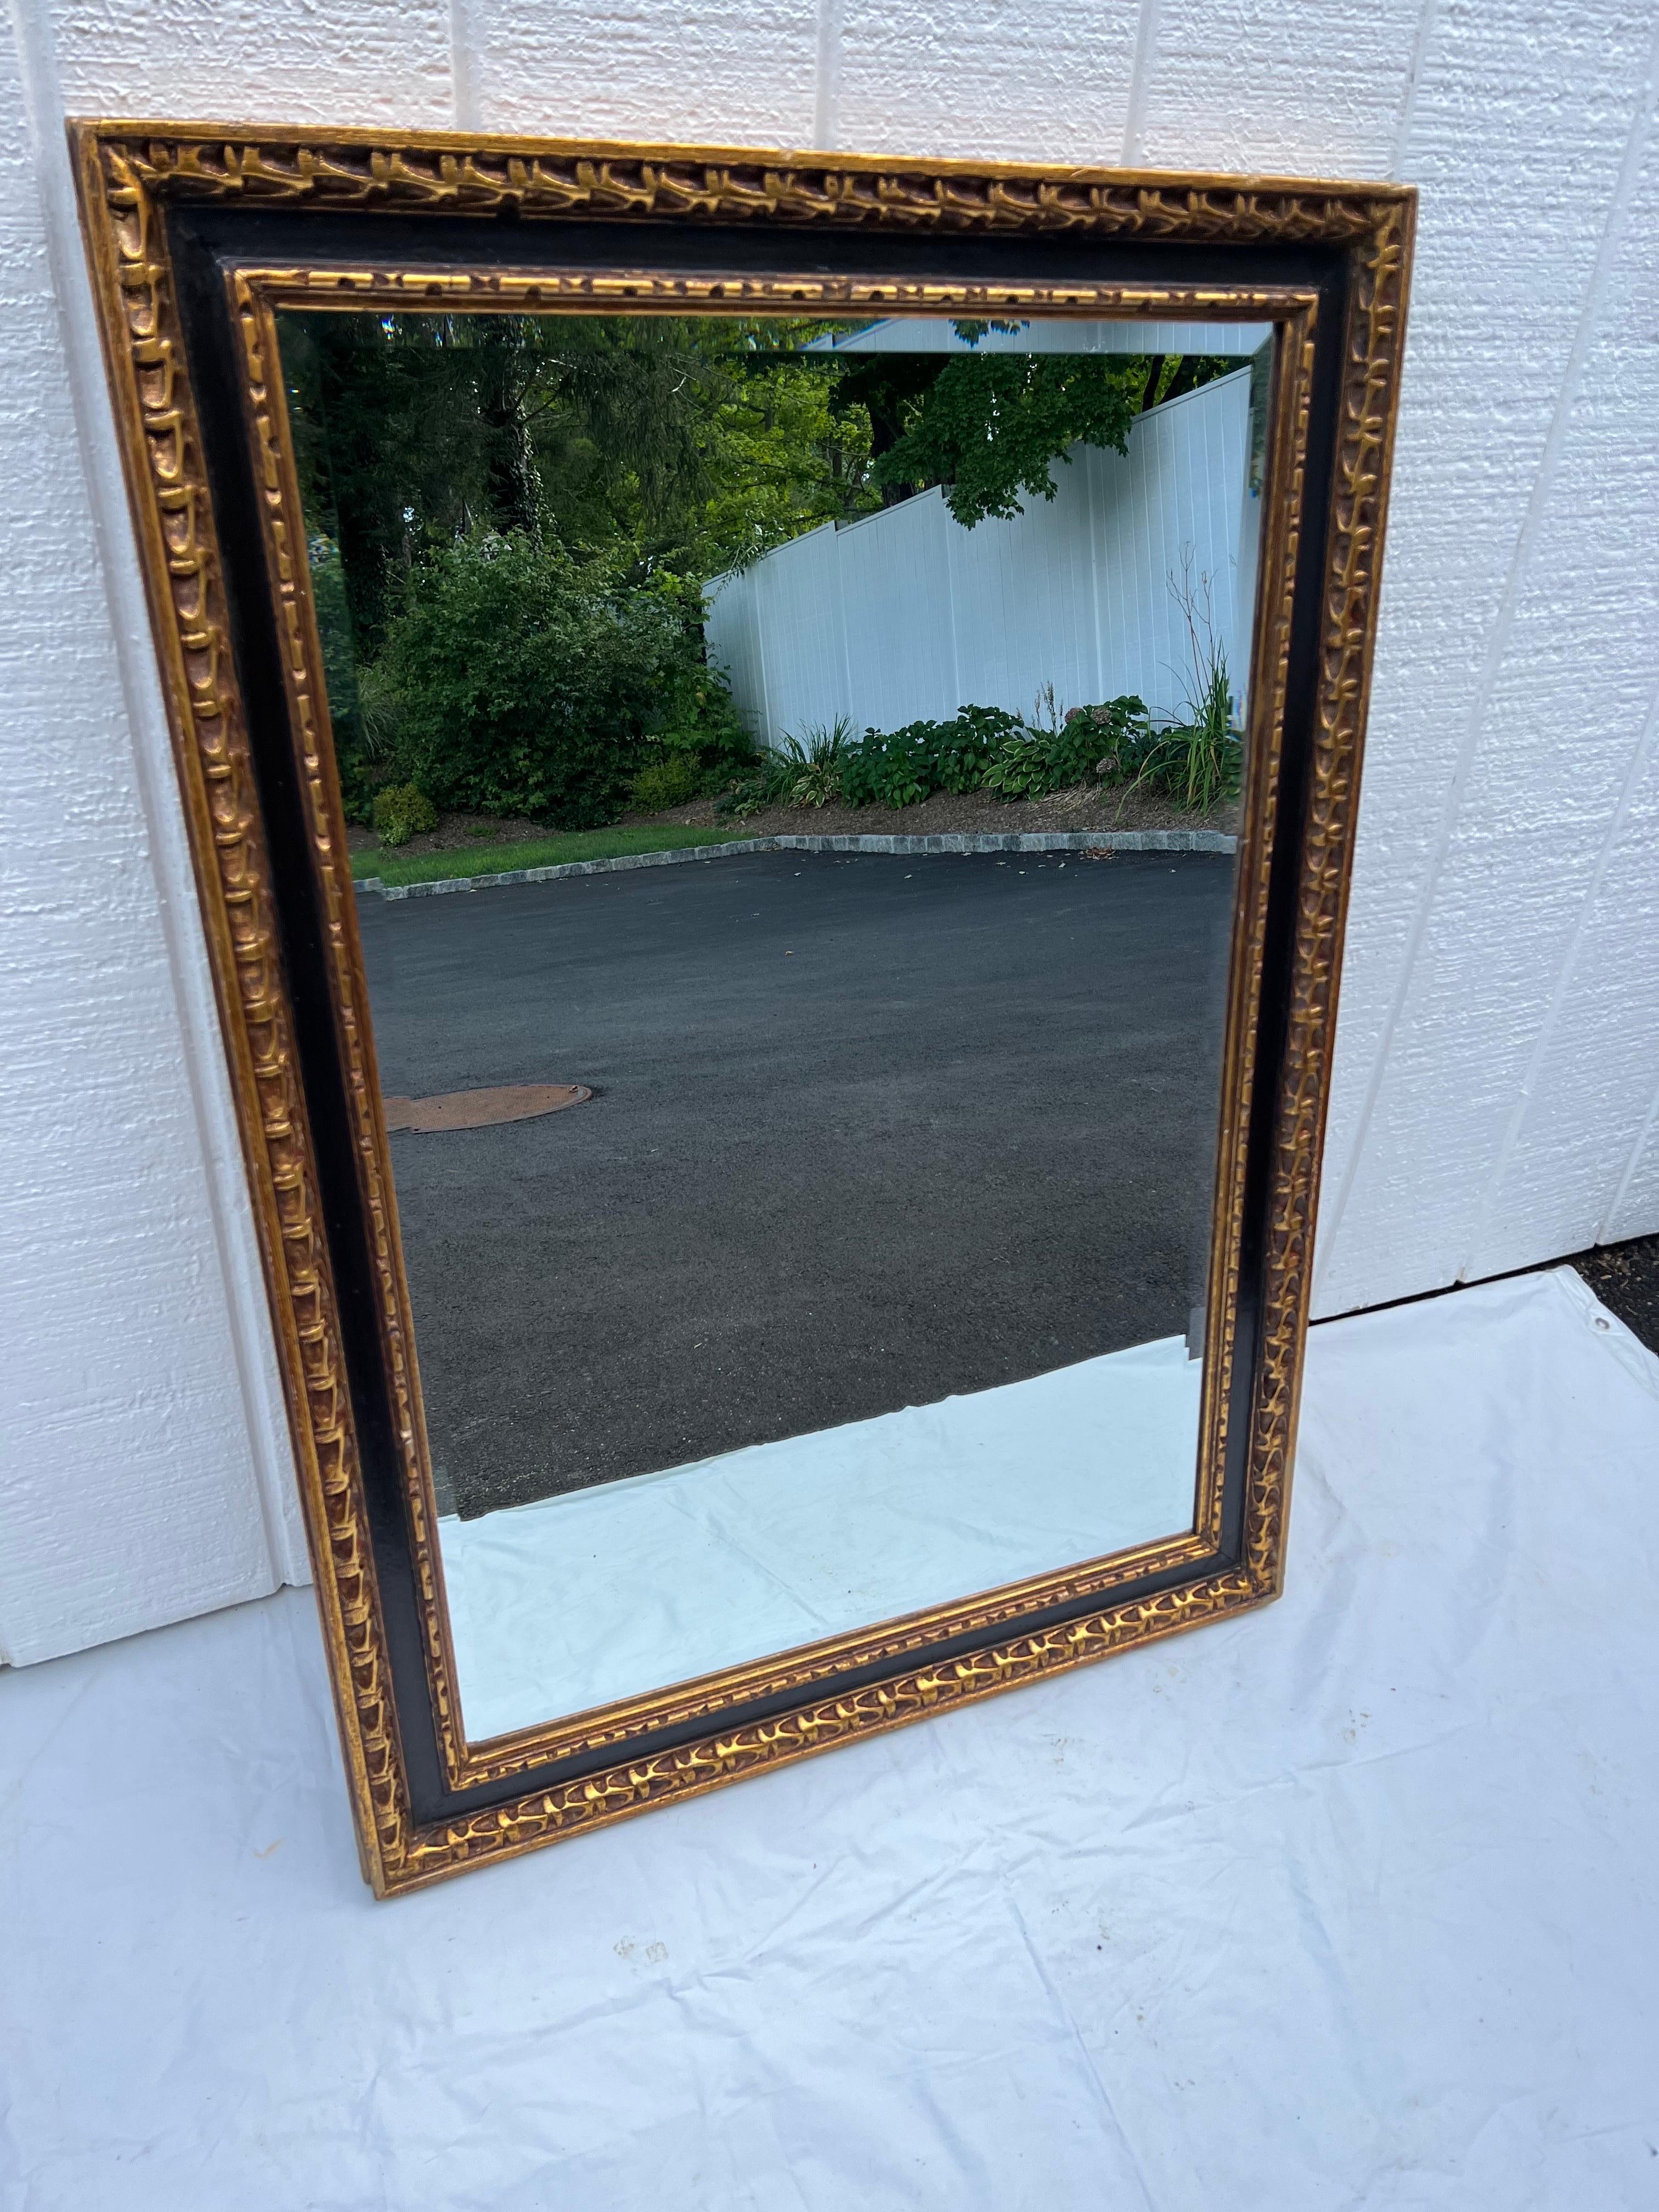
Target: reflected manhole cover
[(482, 1110)]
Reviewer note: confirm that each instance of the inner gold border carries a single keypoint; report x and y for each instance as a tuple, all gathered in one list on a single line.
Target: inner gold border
[(125, 171), (257, 296)]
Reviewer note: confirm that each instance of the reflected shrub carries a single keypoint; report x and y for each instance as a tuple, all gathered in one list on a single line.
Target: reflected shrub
[(695, 736), (670, 781), (401, 811), (523, 681)]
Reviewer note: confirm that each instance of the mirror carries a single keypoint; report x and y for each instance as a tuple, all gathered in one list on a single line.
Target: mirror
[(770, 746), (805, 1226)]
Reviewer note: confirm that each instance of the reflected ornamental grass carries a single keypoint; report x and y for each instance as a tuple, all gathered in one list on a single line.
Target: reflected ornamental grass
[(1198, 760)]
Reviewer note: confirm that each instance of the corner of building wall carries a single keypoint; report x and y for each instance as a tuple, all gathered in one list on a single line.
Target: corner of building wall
[(236, 1242)]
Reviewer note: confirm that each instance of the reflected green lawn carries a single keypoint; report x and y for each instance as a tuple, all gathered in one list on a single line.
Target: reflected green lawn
[(480, 858)]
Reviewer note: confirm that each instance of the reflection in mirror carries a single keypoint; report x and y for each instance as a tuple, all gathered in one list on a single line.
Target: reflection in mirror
[(809, 1234)]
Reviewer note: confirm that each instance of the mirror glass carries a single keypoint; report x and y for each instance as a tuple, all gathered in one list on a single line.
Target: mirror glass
[(798, 1234)]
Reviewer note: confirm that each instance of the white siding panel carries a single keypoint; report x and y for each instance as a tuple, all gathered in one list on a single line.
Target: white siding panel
[(145, 1473), (1583, 695), (957, 77), (1585, 1108), (1635, 1209), (1278, 87), (1506, 704), (276, 61), (729, 72)]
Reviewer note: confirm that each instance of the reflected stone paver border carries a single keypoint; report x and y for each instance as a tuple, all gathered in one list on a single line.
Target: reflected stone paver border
[(960, 841)]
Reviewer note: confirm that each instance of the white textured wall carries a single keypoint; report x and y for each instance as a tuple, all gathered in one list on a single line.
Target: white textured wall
[(906, 615), (144, 1466), (1498, 1060)]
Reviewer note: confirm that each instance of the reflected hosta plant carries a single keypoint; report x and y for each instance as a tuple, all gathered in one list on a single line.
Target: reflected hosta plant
[(1020, 769), (967, 747)]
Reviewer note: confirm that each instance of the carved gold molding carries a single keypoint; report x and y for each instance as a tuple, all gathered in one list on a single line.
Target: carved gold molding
[(637, 1785), (448, 174), (1367, 406), (162, 443), (427, 288), (127, 172)]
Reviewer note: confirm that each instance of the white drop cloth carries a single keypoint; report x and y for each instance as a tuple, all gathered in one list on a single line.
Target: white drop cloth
[(632, 1585), (1349, 1902)]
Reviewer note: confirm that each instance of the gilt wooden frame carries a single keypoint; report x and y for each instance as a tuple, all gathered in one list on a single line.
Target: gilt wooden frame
[(198, 236)]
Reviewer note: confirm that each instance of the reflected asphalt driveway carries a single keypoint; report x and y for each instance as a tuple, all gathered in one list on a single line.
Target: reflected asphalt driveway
[(868, 1131)]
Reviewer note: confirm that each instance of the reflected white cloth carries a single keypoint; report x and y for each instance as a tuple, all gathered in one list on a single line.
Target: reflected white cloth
[(1347, 1902), (632, 1585)]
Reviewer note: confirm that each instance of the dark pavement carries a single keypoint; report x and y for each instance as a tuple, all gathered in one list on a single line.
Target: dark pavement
[(868, 1132)]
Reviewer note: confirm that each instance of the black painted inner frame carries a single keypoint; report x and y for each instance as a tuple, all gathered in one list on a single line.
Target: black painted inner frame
[(206, 242)]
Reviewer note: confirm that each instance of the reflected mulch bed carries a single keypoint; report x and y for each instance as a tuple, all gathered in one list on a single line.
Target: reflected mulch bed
[(1086, 807), (455, 833)]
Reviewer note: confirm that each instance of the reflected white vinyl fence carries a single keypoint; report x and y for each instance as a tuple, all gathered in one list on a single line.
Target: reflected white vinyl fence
[(907, 615)]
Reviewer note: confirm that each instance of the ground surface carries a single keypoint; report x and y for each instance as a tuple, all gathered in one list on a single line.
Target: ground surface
[(1625, 1278), (1359, 1887), (869, 1132)]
